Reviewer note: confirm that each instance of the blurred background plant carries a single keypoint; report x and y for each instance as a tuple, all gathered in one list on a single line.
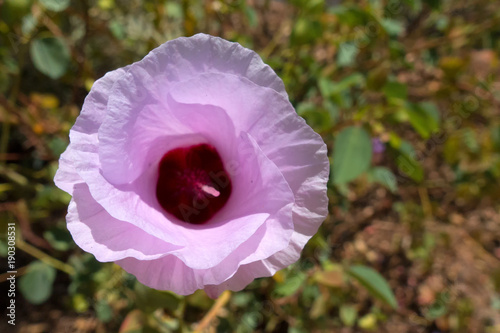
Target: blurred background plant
[(404, 92)]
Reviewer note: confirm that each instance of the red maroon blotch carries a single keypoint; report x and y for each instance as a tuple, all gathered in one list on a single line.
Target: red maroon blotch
[(192, 183)]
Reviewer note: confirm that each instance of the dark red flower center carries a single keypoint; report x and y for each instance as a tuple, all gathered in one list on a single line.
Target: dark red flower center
[(192, 183)]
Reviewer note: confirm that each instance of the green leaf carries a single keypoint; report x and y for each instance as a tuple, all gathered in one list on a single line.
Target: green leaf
[(406, 161), (385, 177), (291, 285), (117, 29), (4, 81), (403, 146), (199, 299), (348, 315), (392, 27), (174, 10), (374, 283), (368, 322), (36, 284), (350, 15), (352, 154), (439, 308), (55, 5), (50, 56), (106, 4), (242, 299), (315, 5), (393, 89), (431, 110), (80, 303), (329, 88), (470, 140), (3, 248), (424, 117), (318, 307), (13, 10), (103, 311), (60, 239), (495, 136), (347, 54), (29, 24), (410, 167), (305, 31), (57, 145), (149, 299), (316, 117), (252, 17)]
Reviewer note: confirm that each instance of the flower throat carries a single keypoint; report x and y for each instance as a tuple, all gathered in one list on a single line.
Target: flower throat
[(192, 183)]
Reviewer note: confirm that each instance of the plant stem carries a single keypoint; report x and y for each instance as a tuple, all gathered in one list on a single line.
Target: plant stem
[(219, 304), (42, 256)]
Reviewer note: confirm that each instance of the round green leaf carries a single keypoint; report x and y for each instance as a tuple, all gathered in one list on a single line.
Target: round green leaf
[(55, 5), (50, 56), (352, 154), (36, 284)]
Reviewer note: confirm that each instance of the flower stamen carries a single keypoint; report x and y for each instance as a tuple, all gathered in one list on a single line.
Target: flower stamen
[(209, 190)]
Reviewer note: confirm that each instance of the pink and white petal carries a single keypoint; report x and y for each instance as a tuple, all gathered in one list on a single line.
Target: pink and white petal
[(166, 273), (85, 129), (185, 58), (211, 122), (94, 107), (254, 266), (83, 135), (246, 273), (109, 239), (242, 278), (136, 117), (174, 278), (66, 176), (258, 247), (148, 81)]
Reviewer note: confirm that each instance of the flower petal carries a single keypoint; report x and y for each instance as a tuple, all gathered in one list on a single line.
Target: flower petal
[(184, 280), (108, 239), (66, 176), (261, 268), (147, 83), (85, 129)]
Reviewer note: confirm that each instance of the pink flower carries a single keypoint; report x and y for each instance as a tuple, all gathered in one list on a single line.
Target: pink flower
[(191, 169)]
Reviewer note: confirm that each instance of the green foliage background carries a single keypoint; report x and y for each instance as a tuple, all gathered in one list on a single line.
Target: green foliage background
[(404, 92)]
